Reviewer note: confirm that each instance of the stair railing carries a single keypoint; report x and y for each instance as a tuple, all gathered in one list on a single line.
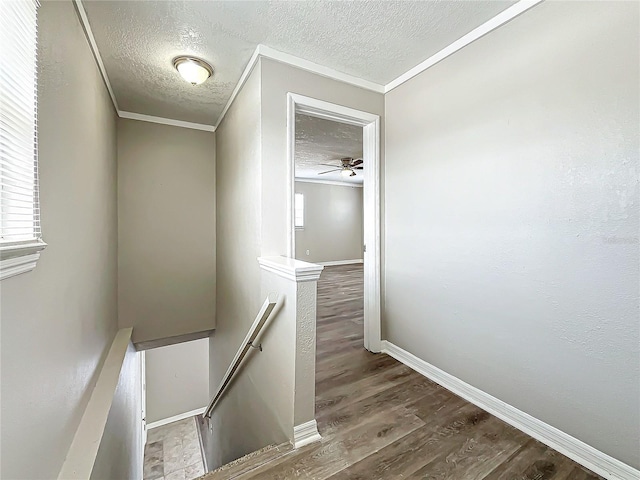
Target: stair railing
[(246, 345)]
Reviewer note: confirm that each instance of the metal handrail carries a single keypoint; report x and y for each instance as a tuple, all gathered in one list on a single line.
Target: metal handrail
[(260, 321)]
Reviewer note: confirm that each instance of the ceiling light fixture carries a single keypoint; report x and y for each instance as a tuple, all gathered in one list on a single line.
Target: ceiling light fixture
[(193, 70), (347, 172)]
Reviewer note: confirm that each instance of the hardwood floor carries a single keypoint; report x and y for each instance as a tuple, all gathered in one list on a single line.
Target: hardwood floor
[(381, 420)]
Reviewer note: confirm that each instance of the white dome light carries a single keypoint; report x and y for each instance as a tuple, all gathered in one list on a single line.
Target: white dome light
[(193, 70), (347, 172)]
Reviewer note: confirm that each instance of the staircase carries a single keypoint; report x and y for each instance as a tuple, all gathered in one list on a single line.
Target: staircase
[(244, 466)]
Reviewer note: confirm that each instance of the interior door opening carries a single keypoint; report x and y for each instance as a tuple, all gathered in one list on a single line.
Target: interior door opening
[(334, 201)]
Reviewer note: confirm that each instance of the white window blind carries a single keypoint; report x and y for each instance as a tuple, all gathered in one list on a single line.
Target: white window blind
[(19, 202), (299, 210)]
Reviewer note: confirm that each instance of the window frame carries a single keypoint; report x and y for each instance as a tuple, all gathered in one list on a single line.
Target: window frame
[(21, 256), (295, 211)]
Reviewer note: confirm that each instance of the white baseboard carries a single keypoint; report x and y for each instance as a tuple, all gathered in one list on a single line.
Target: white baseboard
[(340, 262), (584, 454), (305, 434), (175, 418)]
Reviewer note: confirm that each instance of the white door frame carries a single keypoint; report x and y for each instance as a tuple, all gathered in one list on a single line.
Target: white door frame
[(370, 124)]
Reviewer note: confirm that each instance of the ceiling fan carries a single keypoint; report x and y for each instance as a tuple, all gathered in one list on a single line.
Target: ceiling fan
[(348, 167)]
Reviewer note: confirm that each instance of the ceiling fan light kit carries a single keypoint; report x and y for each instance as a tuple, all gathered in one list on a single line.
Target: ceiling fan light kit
[(348, 167)]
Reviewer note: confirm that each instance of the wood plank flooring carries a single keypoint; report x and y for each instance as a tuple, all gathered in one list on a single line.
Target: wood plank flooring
[(381, 420)]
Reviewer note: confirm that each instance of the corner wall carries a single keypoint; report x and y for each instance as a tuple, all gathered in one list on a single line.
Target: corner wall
[(512, 218), (59, 320), (243, 421)]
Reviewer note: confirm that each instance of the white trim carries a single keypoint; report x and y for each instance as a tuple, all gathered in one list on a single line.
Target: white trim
[(142, 355), (291, 269), (318, 69), (176, 418), (341, 262), (262, 51), (15, 266), (20, 258), (84, 20), (305, 434), (370, 124), (491, 24), (243, 78), (166, 121), (328, 182), (584, 454), (268, 52), (86, 441)]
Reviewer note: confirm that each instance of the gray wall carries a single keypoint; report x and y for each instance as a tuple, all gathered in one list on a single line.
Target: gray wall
[(177, 379), (59, 320), (333, 223), (120, 453), (516, 266), (166, 230)]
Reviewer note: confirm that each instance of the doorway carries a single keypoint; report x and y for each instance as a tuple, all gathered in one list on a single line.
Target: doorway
[(370, 125)]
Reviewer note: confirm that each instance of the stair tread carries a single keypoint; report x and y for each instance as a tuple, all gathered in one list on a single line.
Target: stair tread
[(248, 462)]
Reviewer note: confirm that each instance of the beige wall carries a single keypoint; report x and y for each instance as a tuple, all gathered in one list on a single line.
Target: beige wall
[(333, 223), (177, 379), (512, 218), (166, 229), (244, 420), (120, 455), (59, 320)]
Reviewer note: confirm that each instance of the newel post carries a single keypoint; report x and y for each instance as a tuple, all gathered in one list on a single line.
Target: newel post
[(298, 281)]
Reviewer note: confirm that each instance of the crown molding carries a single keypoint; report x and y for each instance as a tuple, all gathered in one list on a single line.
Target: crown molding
[(84, 20), (318, 69), (328, 182), (86, 26), (488, 26), (286, 58), (243, 79), (166, 121)]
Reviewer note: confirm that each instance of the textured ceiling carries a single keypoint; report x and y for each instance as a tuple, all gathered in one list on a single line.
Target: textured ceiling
[(324, 141), (372, 40)]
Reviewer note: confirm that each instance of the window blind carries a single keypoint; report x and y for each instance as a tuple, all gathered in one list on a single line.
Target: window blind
[(19, 202)]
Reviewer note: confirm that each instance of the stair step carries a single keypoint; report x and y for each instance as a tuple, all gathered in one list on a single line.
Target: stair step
[(249, 462)]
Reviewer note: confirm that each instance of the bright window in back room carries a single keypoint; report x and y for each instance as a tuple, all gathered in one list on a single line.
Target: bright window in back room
[(20, 236), (299, 210)]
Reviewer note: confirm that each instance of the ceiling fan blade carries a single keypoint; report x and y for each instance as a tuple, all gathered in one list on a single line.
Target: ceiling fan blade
[(358, 168), (357, 162), (329, 165), (329, 171)]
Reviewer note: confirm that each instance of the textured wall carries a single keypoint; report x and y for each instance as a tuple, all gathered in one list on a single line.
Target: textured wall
[(512, 218), (120, 455), (177, 379), (59, 320), (166, 230), (333, 223), (244, 420)]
